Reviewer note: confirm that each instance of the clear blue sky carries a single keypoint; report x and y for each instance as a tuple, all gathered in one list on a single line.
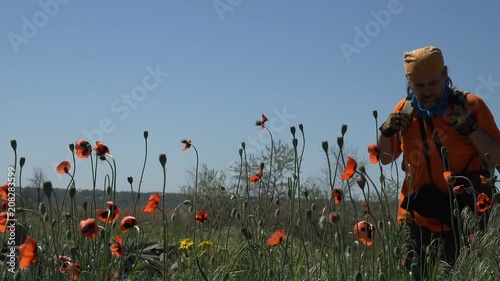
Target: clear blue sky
[(71, 68)]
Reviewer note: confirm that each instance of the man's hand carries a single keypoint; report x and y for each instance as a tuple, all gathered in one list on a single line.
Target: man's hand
[(397, 121), (462, 120)]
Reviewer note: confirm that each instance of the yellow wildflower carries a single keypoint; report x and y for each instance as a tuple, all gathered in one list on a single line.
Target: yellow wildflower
[(206, 244), (186, 244)]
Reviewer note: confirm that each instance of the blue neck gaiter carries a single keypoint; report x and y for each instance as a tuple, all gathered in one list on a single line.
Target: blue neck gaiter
[(439, 109)]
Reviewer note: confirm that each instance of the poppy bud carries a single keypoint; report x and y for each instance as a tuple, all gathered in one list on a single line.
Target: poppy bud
[(358, 276), (47, 188), (190, 209), (163, 160), (72, 192), (456, 213), (222, 188), (294, 142), (343, 129), (362, 169), (243, 145), (240, 151), (68, 234), (322, 222), (375, 114), (233, 197), (277, 212), (42, 208), (21, 161), (496, 197), (108, 190), (380, 224), (340, 142), (301, 128), (84, 205), (13, 144), (309, 214), (186, 202), (130, 180), (313, 206), (261, 223), (324, 145), (46, 217), (67, 216), (238, 216), (290, 193), (277, 202), (381, 178), (292, 130), (233, 212), (146, 134), (71, 147), (306, 193), (17, 276), (172, 218), (361, 181), (245, 204), (246, 233), (262, 166)]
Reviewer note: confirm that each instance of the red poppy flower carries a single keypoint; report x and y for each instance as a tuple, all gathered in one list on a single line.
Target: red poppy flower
[(3, 206), (263, 122), (201, 216), (101, 149), (277, 237), (374, 151), (350, 168), (89, 228), (28, 252), (334, 217), (152, 204), (484, 180), (187, 144), (3, 222), (117, 248), (365, 232), (459, 189), (63, 167), (104, 215), (127, 223), (366, 209), (483, 202), (337, 196), (255, 178), (82, 149), (75, 271), (449, 177), (4, 191), (63, 264)]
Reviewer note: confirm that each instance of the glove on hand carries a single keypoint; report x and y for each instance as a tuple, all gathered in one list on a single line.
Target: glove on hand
[(397, 121)]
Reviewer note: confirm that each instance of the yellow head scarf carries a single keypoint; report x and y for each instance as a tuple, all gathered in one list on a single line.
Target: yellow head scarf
[(423, 63)]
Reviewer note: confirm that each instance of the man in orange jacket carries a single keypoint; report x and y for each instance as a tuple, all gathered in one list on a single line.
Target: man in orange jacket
[(436, 116)]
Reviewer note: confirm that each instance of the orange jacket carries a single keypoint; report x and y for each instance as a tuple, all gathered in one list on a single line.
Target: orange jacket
[(461, 151)]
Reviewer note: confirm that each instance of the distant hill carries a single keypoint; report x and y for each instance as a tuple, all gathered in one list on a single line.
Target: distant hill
[(123, 199)]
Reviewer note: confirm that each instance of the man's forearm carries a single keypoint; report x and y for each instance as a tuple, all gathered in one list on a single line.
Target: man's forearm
[(486, 144)]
